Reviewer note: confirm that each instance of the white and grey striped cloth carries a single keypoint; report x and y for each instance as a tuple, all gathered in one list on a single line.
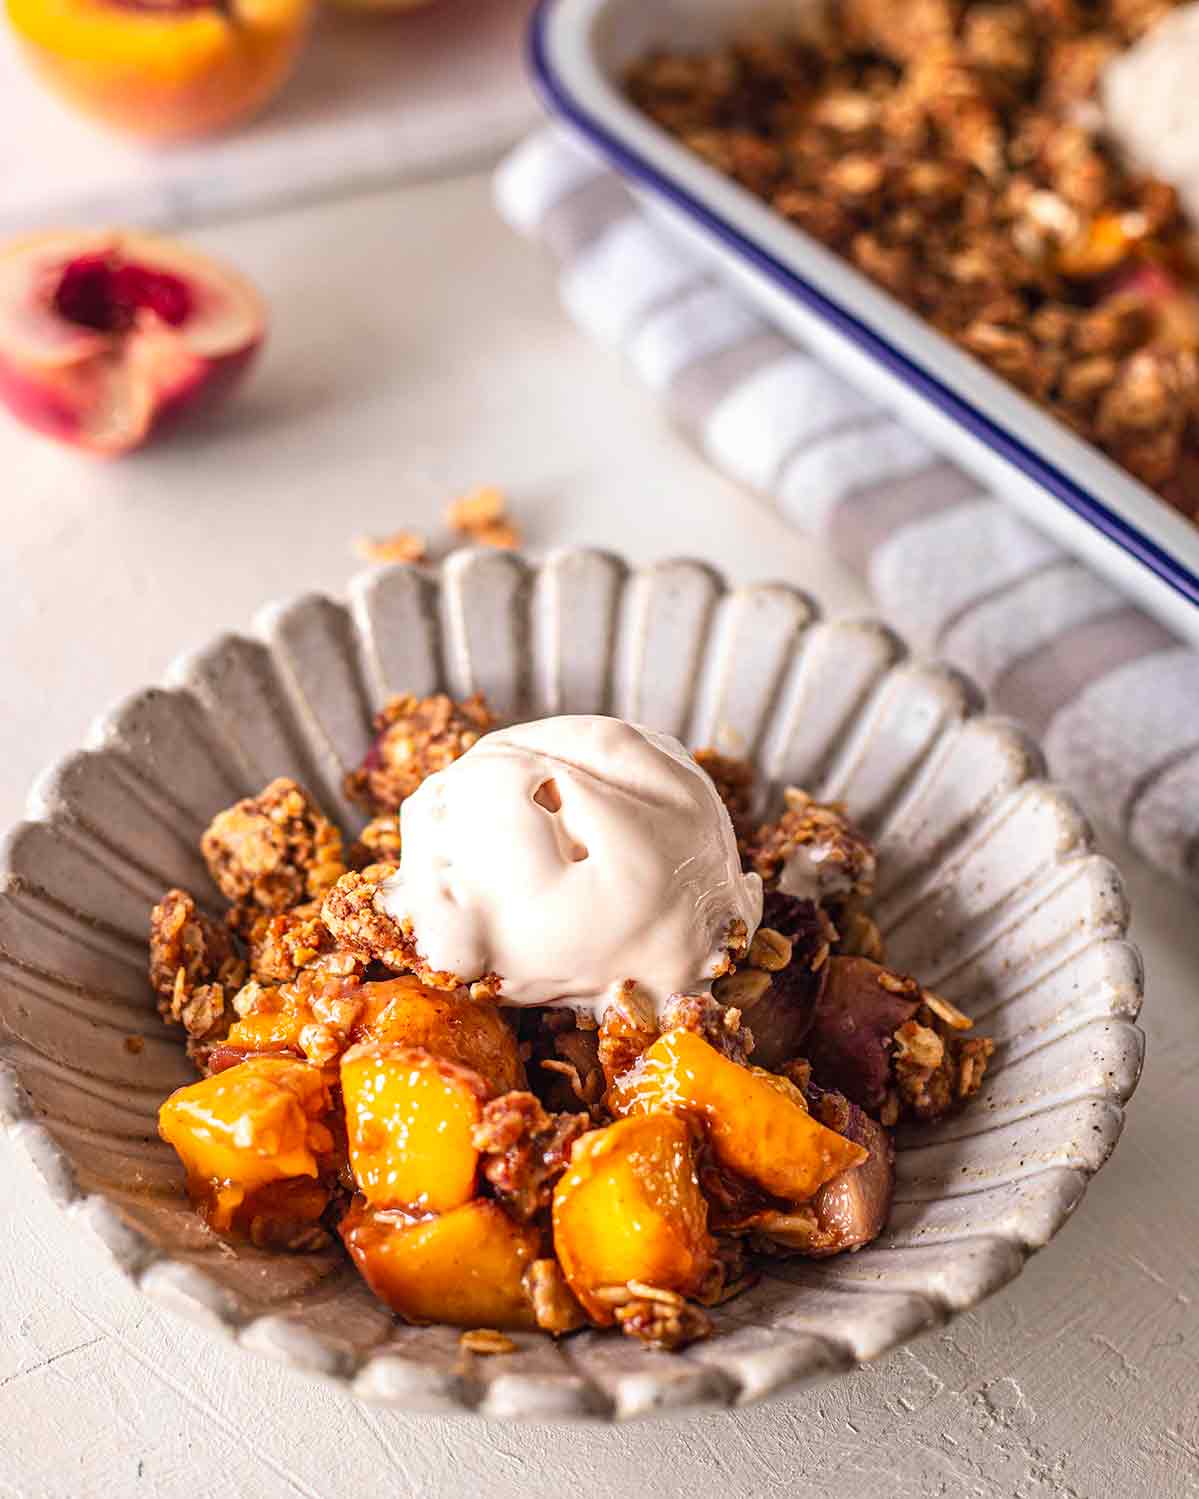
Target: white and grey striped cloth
[(1112, 695)]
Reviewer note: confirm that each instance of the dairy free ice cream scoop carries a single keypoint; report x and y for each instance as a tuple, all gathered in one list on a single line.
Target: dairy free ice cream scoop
[(569, 855)]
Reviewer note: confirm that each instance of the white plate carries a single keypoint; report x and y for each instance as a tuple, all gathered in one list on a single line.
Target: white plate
[(989, 890), (580, 51)]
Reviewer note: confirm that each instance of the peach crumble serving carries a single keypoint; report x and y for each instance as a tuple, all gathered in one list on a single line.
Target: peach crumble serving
[(567, 1039), (956, 152)]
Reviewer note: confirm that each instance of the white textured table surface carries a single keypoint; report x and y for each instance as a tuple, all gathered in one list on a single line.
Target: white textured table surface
[(418, 349)]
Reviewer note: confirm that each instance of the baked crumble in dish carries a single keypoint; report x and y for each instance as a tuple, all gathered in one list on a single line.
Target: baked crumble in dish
[(568, 1037), (954, 151)]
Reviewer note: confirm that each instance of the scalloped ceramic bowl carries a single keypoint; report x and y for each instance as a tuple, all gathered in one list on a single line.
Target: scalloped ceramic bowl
[(989, 890)]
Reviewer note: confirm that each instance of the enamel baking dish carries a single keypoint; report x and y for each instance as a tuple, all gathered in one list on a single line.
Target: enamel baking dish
[(580, 50)]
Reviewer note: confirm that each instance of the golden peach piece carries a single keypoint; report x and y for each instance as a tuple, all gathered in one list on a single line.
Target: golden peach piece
[(410, 1119), (163, 69), (242, 1129), (757, 1124), (278, 1030), (465, 1268), (629, 1208), (472, 1033)]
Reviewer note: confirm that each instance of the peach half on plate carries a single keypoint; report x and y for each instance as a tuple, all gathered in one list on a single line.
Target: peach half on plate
[(106, 337)]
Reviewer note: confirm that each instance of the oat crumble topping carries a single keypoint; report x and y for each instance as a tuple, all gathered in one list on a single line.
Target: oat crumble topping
[(400, 546), (307, 977), (952, 150), (482, 517), (274, 850), (414, 737)]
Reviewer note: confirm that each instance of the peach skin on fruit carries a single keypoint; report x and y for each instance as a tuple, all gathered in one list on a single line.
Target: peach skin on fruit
[(107, 336), (163, 69)]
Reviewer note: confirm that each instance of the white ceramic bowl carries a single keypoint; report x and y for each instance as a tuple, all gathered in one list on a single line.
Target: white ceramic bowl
[(989, 890), (580, 51)]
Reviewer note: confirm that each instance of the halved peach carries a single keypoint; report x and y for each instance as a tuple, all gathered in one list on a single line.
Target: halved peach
[(465, 1268), (106, 336), (242, 1129), (470, 1032), (757, 1124), (410, 1119), (163, 69), (629, 1208)]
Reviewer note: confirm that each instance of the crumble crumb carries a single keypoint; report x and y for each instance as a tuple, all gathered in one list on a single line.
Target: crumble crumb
[(819, 843), (486, 1341), (626, 1029), (400, 546), (356, 923), (565, 1050), (936, 1067), (714, 1018), (193, 963), (734, 781), (280, 943), (274, 850), (378, 843), (660, 1318), (486, 505), (525, 1150), (481, 516), (554, 1304), (414, 737)]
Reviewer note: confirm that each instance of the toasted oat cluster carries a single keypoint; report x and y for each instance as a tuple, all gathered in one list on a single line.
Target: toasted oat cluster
[(378, 842), (414, 737), (952, 150), (274, 850), (817, 845), (348, 1092), (193, 965)]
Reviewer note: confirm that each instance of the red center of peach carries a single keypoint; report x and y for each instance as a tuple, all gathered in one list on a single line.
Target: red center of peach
[(98, 291)]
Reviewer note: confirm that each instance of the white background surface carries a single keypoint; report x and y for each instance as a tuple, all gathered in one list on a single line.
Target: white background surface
[(418, 349)]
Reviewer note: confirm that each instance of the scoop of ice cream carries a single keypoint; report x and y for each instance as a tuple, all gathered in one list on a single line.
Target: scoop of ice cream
[(1148, 97), (567, 856)]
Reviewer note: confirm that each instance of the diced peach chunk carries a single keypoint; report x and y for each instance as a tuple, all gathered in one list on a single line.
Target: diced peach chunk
[(278, 1030), (465, 1268), (410, 1118), (757, 1124), (629, 1208), (260, 1122), (470, 1032)]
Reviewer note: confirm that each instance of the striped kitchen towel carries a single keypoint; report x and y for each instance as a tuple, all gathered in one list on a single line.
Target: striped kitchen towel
[(1113, 697)]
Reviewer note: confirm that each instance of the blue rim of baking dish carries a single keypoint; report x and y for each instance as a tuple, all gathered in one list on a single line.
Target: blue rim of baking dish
[(1164, 566)]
